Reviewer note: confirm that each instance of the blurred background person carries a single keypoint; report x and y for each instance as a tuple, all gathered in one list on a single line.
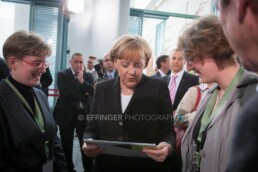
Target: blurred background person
[(179, 80), (45, 81), (131, 93), (101, 63), (187, 107), (90, 66), (239, 20), (163, 66), (207, 142), (28, 132), (110, 71), (72, 106), (4, 69)]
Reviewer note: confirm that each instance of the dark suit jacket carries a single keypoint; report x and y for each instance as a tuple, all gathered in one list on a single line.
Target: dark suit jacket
[(244, 156), (150, 100), (188, 80), (21, 141), (156, 75), (4, 70), (45, 81), (71, 92)]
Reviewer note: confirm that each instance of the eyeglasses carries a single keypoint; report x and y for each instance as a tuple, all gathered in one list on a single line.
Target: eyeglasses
[(38, 64)]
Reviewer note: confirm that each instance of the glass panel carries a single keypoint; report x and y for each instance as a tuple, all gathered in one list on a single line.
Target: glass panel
[(162, 35), (172, 30), (135, 25), (152, 32), (45, 21), (196, 7), (13, 17)]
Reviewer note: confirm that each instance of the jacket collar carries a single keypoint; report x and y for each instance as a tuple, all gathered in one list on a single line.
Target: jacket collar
[(135, 101), (24, 120)]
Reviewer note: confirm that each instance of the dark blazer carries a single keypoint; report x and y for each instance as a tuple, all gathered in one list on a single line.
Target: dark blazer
[(150, 100), (4, 70), (156, 75), (244, 154), (71, 92), (21, 141), (188, 80), (45, 81)]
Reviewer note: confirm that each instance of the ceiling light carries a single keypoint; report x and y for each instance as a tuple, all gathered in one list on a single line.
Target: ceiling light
[(76, 6)]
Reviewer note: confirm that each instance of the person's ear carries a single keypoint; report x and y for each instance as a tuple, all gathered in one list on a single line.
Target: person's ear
[(241, 9), (11, 62)]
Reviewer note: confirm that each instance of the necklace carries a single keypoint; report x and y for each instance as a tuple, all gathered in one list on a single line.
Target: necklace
[(127, 91)]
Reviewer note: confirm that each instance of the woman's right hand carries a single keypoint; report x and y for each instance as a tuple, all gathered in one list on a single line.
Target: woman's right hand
[(91, 150)]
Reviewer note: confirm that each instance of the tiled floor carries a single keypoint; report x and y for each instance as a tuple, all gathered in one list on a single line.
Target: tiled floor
[(77, 159)]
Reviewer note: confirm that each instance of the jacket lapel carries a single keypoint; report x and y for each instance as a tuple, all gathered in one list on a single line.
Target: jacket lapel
[(24, 120), (180, 86), (199, 113), (137, 97), (235, 94), (168, 79), (48, 120), (115, 93), (71, 76)]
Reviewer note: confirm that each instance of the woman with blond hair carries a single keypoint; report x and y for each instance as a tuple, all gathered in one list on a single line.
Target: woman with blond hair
[(129, 95)]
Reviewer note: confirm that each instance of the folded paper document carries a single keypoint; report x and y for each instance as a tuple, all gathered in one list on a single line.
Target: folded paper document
[(130, 149)]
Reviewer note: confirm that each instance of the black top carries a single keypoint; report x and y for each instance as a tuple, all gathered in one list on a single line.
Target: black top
[(25, 91)]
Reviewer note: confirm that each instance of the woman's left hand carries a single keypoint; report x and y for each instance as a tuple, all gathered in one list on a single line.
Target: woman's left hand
[(160, 153)]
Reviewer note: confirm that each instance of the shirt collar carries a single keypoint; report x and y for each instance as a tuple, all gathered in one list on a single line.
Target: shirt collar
[(179, 74), (73, 71), (111, 73), (161, 73)]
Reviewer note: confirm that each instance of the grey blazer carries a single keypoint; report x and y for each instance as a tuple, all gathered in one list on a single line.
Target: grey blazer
[(215, 154)]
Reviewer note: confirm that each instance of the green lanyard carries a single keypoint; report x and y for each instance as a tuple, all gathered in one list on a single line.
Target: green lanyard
[(38, 115), (208, 113)]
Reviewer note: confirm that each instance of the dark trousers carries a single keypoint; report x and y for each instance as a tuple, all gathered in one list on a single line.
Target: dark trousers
[(67, 136)]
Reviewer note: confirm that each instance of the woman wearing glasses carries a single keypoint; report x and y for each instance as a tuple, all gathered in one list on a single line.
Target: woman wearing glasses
[(28, 132)]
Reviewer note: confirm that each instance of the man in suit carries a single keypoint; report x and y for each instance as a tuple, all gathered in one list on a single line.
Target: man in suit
[(184, 80), (73, 104), (91, 69), (45, 81), (109, 68), (239, 20), (4, 70), (163, 66), (179, 81)]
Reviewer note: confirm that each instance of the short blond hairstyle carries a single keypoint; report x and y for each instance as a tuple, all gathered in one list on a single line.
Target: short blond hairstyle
[(205, 37), (130, 47)]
